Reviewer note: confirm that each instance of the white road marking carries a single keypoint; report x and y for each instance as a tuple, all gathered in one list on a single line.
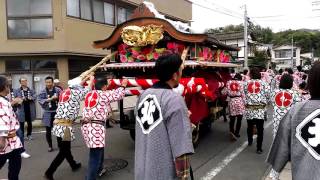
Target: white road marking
[(216, 170), (39, 132)]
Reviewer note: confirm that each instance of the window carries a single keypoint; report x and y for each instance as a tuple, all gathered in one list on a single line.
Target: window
[(98, 11), (234, 54), (73, 8), (80, 65), (18, 65), (285, 53), (85, 9), (44, 64), (29, 65), (123, 14), (29, 19), (108, 13)]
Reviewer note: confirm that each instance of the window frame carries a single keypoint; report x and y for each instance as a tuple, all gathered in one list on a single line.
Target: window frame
[(30, 17), (115, 11), (31, 63), (126, 7)]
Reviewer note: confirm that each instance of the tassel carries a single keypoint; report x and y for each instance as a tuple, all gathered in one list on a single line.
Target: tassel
[(67, 135)]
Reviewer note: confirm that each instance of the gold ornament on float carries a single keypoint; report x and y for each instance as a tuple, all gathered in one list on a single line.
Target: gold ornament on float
[(142, 36)]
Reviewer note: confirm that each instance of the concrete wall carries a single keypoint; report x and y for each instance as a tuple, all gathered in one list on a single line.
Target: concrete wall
[(178, 8), (63, 73)]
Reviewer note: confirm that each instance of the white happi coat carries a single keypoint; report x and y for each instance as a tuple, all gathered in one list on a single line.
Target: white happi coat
[(234, 90), (265, 76), (257, 93), (68, 108), (97, 109), (282, 100), (276, 81), (8, 124)]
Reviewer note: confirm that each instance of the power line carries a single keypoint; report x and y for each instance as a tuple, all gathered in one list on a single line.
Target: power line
[(223, 8), (215, 10), (263, 17), (286, 18), (315, 3)]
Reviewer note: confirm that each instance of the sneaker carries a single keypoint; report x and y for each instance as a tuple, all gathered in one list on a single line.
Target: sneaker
[(259, 151), (237, 135), (76, 167), (25, 155), (50, 149), (30, 138), (102, 172), (48, 176), (249, 143)]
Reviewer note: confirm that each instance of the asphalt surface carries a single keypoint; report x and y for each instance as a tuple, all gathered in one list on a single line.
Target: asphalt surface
[(213, 150)]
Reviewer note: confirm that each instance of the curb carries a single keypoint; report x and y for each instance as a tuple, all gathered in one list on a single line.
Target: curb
[(37, 123)]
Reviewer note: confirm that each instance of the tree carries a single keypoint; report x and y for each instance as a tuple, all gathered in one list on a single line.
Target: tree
[(308, 40), (262, 35), (260, 59), (226, 29)]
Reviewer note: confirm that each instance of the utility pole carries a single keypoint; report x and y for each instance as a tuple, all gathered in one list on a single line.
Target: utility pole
[(292, 51), (312, 55), (245, 37)]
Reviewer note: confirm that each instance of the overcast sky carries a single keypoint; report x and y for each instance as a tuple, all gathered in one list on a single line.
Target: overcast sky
[(279, 15)]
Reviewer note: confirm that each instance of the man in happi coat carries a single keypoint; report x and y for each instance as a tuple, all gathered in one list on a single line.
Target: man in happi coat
[(282, 99), (67, 112), (298, 135), (48, 100), (95, 114), (234, 91), (26, 111), (10, 144), (163, 143), (276, 80), (257, 96)]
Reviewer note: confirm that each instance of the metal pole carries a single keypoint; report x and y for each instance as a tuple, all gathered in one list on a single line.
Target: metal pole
[(245, 37)]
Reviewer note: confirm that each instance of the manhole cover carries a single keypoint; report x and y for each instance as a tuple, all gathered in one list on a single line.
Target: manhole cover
[(114, 164)]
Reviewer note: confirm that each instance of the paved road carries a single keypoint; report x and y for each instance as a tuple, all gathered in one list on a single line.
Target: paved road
[(216, 157)]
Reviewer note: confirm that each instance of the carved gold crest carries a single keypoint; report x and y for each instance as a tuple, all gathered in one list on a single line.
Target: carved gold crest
[(142, 36)]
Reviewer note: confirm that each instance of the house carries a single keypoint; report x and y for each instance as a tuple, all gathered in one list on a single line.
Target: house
[(286, 56), (237, 39), (42, 38)]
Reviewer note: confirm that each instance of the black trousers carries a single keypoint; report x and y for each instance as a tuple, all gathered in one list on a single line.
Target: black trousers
[(14, 163), (64, 153), (28, 120), (238, 124), (259, 124), (29, 127), (48, 130), (224, 110)]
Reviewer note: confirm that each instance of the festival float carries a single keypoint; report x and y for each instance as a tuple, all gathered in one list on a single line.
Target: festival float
[(135, 46)]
